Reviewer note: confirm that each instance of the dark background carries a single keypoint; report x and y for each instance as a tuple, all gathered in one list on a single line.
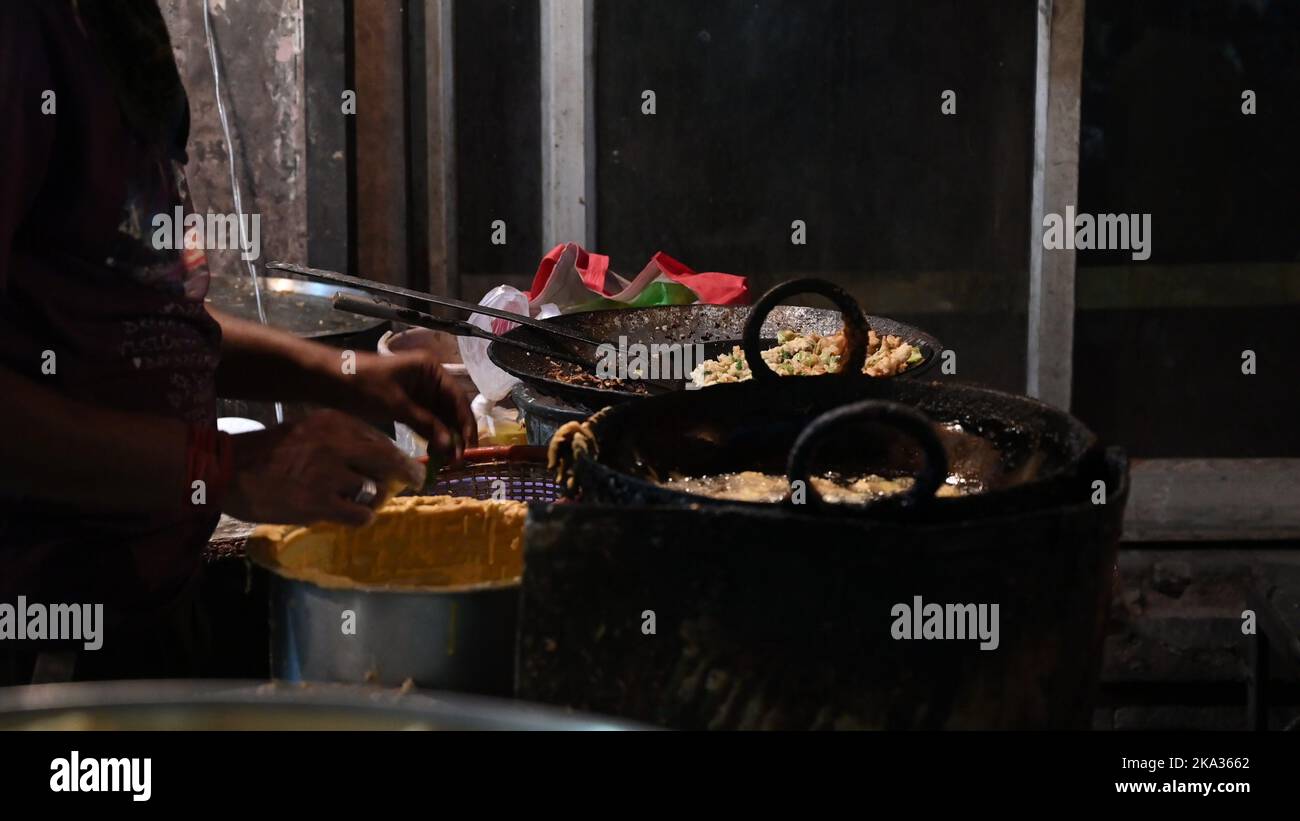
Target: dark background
[(1158, 344), (771, 111), (828, 111)]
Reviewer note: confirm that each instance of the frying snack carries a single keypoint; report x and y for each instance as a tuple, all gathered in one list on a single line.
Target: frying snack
[(799, 354), (574, 374), (752, 486)]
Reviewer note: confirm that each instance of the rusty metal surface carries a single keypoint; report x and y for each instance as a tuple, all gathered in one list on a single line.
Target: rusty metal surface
[(327, 54), (260, 42), (381, 142)]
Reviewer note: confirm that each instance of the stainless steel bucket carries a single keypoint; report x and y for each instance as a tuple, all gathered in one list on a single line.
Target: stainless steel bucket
[(462, 641), (454, 638)]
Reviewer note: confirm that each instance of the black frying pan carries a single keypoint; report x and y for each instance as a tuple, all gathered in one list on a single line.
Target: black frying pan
[(716, 327)]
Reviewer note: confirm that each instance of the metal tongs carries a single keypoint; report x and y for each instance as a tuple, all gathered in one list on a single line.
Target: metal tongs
[(457, 327), (381, 309), (433, 299)]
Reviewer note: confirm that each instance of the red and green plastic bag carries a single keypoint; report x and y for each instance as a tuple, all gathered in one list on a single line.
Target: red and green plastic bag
[(575, 279)]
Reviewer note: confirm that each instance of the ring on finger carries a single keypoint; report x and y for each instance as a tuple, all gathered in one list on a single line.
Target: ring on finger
[(368, 493)]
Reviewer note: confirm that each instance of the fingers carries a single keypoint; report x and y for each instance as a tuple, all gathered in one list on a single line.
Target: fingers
[(432, 428), (454, 408), (349, 484), (437, 405), (346, 512), (310, 471), (468, 427), (342, 506), (363, 452), (381, 461), (441, 441), (327, 494)]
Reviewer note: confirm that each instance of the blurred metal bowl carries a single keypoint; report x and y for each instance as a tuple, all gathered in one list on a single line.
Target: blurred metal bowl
[(250, 705), (300, 307)]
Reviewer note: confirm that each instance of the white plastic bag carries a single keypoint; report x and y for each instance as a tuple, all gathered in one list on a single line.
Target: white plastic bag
[(490, 417), (492, 382)]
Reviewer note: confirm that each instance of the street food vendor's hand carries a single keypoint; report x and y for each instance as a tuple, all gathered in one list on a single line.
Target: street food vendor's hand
[(412, 388), (314, 470)]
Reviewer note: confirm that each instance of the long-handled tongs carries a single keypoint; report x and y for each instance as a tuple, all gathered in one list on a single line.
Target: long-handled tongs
[(456, 327), (445, 301)]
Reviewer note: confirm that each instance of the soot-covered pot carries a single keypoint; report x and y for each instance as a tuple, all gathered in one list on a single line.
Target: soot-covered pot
[(759, 617), (694, 612)]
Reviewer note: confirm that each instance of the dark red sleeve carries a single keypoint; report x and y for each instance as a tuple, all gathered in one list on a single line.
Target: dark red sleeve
[(26, 134)]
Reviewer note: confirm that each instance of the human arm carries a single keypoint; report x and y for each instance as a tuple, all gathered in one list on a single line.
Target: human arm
[(258, 362)]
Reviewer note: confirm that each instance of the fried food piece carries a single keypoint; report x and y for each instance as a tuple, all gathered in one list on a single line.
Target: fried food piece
[(799, 354)]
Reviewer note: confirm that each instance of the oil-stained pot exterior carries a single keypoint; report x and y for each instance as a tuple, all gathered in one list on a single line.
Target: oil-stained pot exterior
[(774, 620)]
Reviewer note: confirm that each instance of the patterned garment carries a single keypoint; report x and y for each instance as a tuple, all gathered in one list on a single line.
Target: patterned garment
[(94, 139)]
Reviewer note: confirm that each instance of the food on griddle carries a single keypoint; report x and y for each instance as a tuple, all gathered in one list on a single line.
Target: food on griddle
[(573, 374), (810, 354), (415, 542), (752, 486)]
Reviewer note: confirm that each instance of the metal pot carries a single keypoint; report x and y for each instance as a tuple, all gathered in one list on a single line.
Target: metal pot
[(1021, 452), (446, 640), (452, 638), (760, 617)]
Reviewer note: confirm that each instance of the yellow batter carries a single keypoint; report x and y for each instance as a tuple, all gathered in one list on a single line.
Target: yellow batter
[(416, 542)]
